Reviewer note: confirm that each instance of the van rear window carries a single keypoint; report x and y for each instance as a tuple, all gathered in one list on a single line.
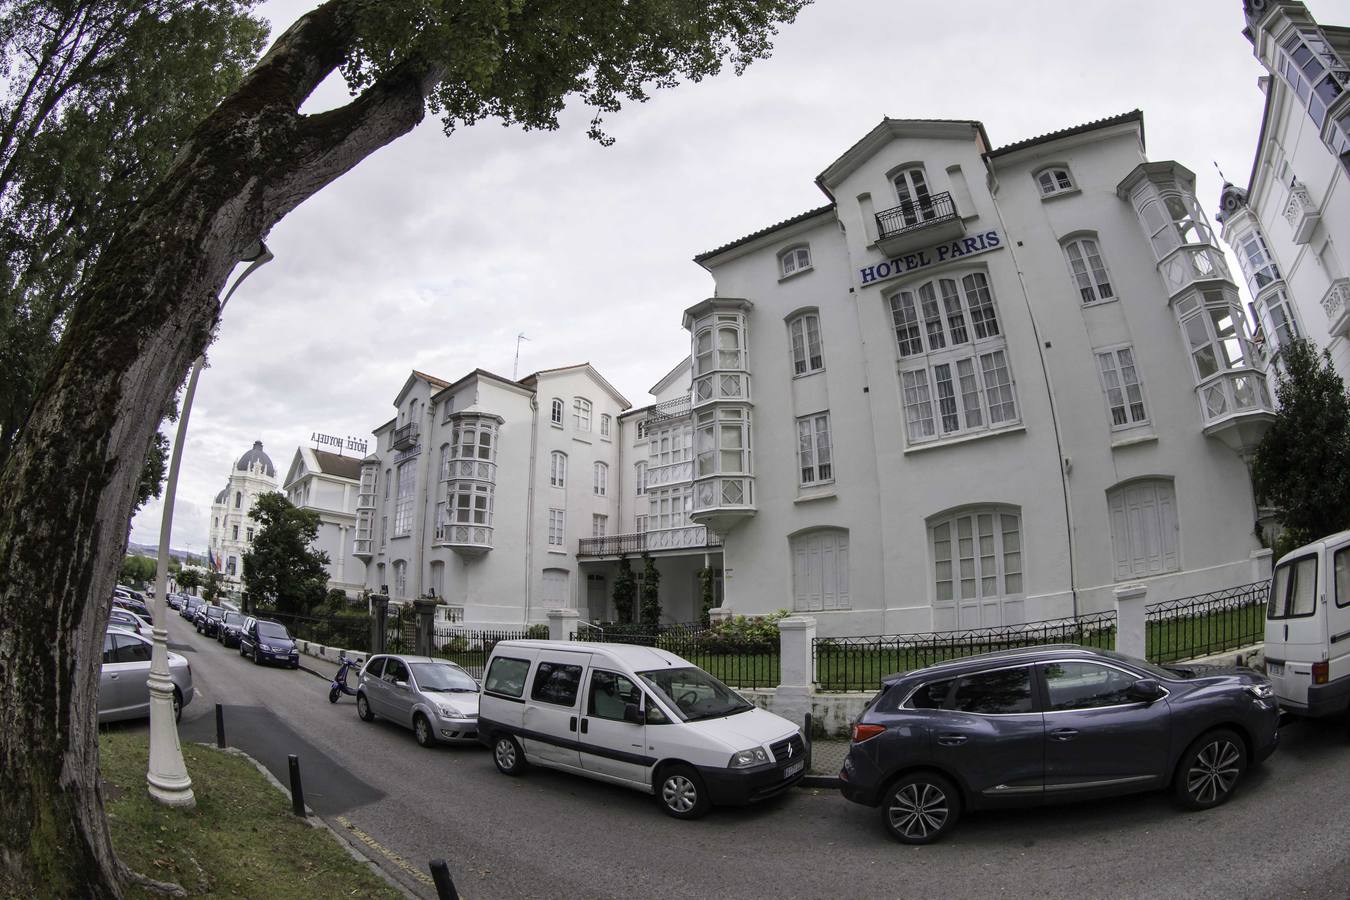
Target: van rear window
[(506, 676), (1293, 592)]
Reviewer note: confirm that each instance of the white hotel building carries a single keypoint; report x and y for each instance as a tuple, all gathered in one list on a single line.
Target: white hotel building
[(979, 387)]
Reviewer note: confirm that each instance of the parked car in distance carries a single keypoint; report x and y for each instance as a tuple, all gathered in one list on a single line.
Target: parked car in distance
[(266, 641), (230, 626), (125, 618), (123, 692), (585, 708), (133, 605), (437, 699), (1060, 722), (1307, 623), (131, 592), (173, 600), (208, 619), (190, 607)]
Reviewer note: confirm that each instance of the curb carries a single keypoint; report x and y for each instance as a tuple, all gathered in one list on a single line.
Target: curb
[(314, 672), (819, 781)]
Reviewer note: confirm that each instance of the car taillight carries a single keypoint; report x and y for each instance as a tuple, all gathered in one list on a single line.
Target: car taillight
[(866, 732), (1319, 672)]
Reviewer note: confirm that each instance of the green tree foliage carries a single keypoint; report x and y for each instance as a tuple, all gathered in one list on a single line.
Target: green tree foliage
[(281, 571), (625, 592), (707, 593), (189, 580), (651, 592), (212, 585), (1302, 466), (138, 570), (101, 94)]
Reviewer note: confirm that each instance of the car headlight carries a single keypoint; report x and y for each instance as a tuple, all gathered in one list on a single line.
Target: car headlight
[(265, 648), (1259, 691), (747, 758), (449, 712)]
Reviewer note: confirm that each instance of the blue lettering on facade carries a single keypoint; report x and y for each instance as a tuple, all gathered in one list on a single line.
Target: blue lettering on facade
[(930, 256)]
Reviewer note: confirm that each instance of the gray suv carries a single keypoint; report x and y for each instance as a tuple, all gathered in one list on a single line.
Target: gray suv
[(1031, 726)]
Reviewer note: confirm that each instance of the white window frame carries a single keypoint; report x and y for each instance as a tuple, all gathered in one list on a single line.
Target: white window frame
[(581, 414), (815, 450), (1277, 316), (794, 260), (600, 484), (669, 507), (599, 524), (604, 425), (981, 569), (1258, 265), (1088, 270), (555, 415), (1145, 535), (470, 503), (806, 349), (403, 501), (1054, 180), (914, 194), (1118, 372), (557, 527), (557, 469), (640, 477), (400, 578)]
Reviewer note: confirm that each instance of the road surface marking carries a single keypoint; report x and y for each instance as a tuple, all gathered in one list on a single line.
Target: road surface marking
[(386, 852)]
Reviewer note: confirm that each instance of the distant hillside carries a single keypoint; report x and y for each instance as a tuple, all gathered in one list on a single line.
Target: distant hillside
[(152, 551)]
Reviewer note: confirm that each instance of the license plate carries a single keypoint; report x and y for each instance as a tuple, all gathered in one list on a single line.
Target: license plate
[(1274, 668), (794, 769)]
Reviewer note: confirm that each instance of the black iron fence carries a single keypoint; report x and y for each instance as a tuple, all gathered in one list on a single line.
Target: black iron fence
[(470, 648), (859, 663), (346, 632), (737, 659), (1206, 623)]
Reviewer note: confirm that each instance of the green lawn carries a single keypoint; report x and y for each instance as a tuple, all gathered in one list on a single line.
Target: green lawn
[(241, 840), (759, 671), (1185, 638)]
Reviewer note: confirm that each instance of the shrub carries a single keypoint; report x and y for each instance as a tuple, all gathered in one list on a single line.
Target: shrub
[(537, 632), (742, 634), (457, 644)]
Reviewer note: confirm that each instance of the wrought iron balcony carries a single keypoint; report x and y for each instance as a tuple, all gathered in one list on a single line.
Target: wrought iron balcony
[(1301, 213), (405, 437), (670, 409), (688, 537), (1336, 304), (915, 223)]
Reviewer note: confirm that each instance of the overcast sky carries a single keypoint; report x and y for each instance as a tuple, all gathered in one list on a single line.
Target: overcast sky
[(436, 252)]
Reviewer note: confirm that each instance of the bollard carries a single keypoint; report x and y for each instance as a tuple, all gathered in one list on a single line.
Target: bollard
[(297, 790), (220, 726), (445, 886), (807, 733)]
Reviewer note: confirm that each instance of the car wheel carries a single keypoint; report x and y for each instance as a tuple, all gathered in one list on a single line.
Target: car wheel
[(363, 708), (1210, 769), (920, 808), (177, 705), (508, 756), (257, 657), (682, 794), (422, 731)]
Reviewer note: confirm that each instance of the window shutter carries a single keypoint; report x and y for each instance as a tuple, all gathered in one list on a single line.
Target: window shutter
[(1167, 514), (1120, 542)]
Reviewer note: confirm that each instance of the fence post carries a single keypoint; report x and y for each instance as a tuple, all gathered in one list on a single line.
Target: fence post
[(1131, 626), (562, 624), (808, 732), (719, 614), (379, 611), (445, 885), (297, 790), (1263, 561), (796, 634), (425, 608)]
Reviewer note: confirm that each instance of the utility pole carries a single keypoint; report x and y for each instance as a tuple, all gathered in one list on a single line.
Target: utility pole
[(515, 369)]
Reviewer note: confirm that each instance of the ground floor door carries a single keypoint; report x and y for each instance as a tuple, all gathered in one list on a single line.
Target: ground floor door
[(597, 599)]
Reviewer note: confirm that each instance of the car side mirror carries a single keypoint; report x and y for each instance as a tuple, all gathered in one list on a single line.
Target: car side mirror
[(632, 713), (1145, 689), (401, 684)]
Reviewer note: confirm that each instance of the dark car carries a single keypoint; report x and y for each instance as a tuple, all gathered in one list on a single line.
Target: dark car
[(208, 619), (174, 601), (268, 642), (135, 606), (230, 626), (1031, 726), (190, 607)]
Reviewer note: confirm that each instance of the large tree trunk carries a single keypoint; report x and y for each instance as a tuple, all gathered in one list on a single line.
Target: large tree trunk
[(66, 493)]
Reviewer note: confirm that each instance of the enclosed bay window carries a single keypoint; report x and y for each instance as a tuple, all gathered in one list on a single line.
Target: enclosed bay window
[(804, 341), (557, 527), (1275, 312), (1257, 263), (1144, 528), (977, 565), (403, 504), (557, 471), (815, 456), (1120, 381), (581, 414), (668, 508), (1173, 220), (1054, 180), (1314, 71), (794, 260), (722, 442), (601, 481), (555, 414), (670, 445), (1088, 270), (1222, 356), (470, 503)]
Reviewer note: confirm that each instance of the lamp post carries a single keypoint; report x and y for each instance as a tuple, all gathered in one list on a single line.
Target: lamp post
[(166, 775)]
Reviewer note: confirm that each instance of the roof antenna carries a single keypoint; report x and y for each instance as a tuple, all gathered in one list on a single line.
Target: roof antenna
[(1221, 175), (515, 369)]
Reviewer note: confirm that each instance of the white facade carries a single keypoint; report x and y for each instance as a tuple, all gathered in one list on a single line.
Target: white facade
[(327, 483), (232, 526), (1285, 225)]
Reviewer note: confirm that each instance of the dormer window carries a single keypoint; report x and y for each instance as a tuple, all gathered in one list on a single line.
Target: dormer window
[(794, 260), (1054, 180)]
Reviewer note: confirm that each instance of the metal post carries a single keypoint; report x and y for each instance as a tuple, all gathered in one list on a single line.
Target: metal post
[(220, 726), (445, 886), (297, 790), (810, 741)]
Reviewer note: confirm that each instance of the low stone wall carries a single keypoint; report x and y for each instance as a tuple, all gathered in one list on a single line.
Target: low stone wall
[(329, 654)]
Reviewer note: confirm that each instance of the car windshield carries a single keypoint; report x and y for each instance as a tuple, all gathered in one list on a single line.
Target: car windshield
[(231, 618), (214, 612), (273, 630), (443, 677), (694, 694)]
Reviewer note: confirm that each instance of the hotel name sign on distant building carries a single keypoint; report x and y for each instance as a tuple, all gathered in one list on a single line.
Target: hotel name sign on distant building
[(329, 440), (936, 255)]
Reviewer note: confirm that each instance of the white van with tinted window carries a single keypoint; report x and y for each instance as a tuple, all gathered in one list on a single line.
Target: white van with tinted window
[(634, 716), (1308, 628)]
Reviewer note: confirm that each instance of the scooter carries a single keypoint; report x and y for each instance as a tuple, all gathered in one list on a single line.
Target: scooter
[(339, 685)]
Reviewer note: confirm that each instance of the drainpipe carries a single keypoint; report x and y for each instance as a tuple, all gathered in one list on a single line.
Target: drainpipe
[(529, 508), (420, 522)]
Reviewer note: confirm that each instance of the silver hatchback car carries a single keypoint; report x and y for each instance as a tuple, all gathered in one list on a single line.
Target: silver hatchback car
[(434, 697), (123, 692)]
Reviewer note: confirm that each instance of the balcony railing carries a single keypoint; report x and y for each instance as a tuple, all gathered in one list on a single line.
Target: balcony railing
[(688, 537), (1336, 304), (405, 437), (671, 473), (1301, 213), (1241, 390), (913, 215), (670, 409)]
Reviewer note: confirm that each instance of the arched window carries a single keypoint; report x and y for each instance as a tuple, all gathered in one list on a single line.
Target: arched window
[(555, 416), (557, 472), (794, 260), (1120, 381), (601, 479), (804, 343), (1054, 180), (387, 479), (403, 503), (604, 424), (1144, 527), (820, 570), (1089, 270), (238, 499), (445, 462), (977, 567), (640, 478), (400, 578), (581, 413), (915, 200)]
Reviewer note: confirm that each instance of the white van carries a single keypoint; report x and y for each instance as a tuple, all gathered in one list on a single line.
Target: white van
[(635, 716), (1308, 628)]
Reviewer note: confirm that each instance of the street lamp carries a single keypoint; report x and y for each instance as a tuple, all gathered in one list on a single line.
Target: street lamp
[(167, 775)]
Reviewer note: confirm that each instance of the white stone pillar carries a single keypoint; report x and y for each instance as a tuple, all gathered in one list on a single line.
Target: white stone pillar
[(1263, 561), (1130, 600), (719, 614), (796, 667), (562, 624)]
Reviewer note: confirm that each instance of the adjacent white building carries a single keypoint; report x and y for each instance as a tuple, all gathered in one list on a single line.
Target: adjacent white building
[(1285, 223), (979, 387), (327, 484), (232, 527)]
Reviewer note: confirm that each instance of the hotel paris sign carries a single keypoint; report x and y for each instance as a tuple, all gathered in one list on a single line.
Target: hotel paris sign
[(928, 257)]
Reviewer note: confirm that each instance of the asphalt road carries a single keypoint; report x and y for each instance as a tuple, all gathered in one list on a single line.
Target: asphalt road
[(553, 835)]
